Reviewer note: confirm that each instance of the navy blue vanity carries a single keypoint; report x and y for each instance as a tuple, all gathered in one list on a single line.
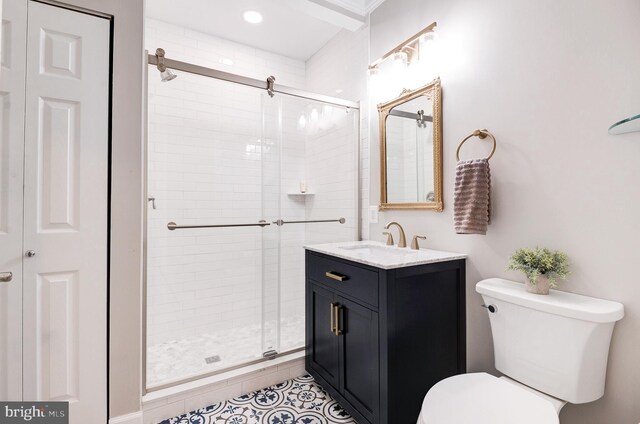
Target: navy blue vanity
[(379, 337)]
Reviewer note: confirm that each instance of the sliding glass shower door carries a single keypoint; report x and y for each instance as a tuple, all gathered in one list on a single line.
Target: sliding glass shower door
[(318, 197), (227, 221)]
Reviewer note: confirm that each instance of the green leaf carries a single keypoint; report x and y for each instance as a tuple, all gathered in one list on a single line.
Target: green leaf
[(540, 261)]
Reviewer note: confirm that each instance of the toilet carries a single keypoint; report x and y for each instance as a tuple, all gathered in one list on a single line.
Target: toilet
[(551, 349)]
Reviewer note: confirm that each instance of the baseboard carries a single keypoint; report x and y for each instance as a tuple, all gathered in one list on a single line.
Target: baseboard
[(135, 418)]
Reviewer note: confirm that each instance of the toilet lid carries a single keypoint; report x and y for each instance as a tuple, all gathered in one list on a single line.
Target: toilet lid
[(481, 398)]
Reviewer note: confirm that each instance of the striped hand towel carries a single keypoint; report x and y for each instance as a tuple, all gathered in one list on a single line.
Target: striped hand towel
[(472, 197)]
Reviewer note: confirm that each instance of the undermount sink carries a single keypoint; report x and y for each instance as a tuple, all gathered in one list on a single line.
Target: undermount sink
[(377, 249), (382, 256)]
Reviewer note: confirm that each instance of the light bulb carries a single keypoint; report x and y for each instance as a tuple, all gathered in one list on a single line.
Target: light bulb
[(429, 56), (399, 62), (374, 80)]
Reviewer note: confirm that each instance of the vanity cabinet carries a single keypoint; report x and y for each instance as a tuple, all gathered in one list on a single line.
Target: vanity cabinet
[(378, 339)]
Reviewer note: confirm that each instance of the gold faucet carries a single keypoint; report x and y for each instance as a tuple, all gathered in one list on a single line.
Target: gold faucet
[(403, 240), (414, 243)]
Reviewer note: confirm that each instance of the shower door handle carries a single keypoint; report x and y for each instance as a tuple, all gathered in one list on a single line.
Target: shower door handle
[(281, 222)]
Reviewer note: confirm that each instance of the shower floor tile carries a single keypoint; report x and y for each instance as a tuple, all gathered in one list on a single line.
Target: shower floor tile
[(180, 359), (299, 401)]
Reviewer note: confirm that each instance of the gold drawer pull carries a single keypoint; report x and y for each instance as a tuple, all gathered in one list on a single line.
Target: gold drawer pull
[(336, 276)]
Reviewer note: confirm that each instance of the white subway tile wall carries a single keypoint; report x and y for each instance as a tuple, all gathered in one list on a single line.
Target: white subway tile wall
[(213, 52), (223, 153), (339, 69)]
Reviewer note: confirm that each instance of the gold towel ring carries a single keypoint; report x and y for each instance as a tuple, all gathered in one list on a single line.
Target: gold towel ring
[(482, 134)]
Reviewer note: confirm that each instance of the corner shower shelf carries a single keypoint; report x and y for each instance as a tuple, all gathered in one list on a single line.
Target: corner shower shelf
[(625, 126), (295, 193)]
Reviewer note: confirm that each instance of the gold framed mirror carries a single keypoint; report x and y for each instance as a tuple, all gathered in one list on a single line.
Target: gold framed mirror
[(411, 150)]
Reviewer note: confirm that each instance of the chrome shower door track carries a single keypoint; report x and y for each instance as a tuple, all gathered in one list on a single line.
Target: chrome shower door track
[(251, 82)]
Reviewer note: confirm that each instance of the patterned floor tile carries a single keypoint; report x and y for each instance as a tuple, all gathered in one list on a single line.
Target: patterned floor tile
[(297, 401)]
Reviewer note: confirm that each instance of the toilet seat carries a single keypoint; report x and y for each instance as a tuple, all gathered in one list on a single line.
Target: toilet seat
[(480, 398)]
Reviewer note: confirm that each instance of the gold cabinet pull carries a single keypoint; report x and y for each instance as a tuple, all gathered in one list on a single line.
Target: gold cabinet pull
[(332, 318), (337, 311), (336, 276)]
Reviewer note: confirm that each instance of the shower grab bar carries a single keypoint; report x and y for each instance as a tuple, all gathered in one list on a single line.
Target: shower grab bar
[(173, 226), (280, 222)]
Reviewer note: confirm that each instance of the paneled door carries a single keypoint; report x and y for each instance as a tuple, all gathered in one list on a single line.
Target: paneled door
[(58, 207)]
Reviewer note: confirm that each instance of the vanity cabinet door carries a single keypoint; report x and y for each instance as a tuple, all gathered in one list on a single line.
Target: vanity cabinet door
[(359, 361), (322, 342)]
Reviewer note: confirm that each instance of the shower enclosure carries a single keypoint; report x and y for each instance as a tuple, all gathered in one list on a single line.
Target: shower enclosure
[(239, 178)]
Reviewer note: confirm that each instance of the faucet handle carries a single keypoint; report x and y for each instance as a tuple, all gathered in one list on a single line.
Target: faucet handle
[(414, 243), (389, 238)]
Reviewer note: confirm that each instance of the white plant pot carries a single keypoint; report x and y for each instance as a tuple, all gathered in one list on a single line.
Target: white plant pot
[(541, 286)]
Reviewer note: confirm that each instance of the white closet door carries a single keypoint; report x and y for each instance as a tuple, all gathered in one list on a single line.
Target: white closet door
[(12, 58), (66, 204)]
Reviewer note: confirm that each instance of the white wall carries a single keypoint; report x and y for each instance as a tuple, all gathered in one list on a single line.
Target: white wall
[(339, 70), (547, 78)]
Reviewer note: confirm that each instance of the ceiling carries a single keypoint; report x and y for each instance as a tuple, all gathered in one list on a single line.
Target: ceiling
[(293, 28)]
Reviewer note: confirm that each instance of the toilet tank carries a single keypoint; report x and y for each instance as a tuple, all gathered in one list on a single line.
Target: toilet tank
[(557, 344)]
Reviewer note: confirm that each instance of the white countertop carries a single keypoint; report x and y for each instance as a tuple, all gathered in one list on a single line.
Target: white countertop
[(380, 255)]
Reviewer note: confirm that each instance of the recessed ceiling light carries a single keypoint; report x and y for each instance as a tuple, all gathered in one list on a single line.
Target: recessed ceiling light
[(252, 16), (226, 61)]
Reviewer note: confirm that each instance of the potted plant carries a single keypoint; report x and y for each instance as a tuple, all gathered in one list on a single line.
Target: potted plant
[(542, 267)]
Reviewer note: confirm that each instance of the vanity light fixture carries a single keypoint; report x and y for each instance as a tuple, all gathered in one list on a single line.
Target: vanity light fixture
[(411, 46), (407, 53), (252, 16)]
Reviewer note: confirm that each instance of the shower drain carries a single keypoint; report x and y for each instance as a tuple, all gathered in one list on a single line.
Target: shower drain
[(212, 359)]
